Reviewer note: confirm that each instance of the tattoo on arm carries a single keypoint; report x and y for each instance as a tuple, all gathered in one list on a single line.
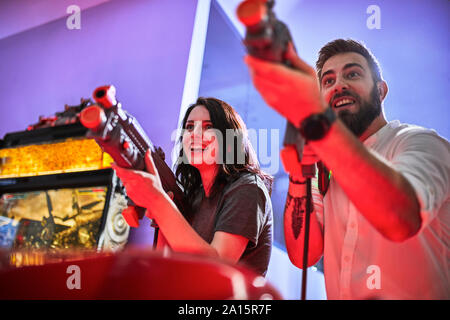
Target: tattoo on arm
[(297, 214)]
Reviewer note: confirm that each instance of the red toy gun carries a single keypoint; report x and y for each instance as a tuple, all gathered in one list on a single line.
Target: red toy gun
[(120, 135), (268, 38)]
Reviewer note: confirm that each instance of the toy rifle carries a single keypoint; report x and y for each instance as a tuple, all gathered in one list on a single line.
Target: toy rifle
[(120, 135)]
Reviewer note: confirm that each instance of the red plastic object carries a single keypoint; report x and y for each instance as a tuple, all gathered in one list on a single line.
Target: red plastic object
[(131, 216), (289, 158), (251, 12), (133, 274)]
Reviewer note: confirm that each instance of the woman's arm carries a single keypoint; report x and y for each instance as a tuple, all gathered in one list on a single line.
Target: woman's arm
[(229, 246), (145, 189), (183, 238), (161, 243)]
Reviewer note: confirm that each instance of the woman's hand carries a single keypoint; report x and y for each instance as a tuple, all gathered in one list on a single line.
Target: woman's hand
[(144, 188)]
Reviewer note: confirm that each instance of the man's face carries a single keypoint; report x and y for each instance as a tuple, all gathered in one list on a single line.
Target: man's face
[(348, 87)]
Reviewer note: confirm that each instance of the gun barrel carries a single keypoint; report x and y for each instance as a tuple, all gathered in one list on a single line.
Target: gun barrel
[(268, 38), (252, 13), (105, 96), (93, 117)]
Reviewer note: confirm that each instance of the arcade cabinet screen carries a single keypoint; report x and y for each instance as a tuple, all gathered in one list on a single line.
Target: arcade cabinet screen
[(62, 218)]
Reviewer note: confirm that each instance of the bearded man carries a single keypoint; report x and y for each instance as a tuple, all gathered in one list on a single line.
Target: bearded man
[(383, 226)]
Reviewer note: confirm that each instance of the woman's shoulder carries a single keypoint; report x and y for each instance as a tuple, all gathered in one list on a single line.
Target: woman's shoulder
[(246, 180), (248, 189)]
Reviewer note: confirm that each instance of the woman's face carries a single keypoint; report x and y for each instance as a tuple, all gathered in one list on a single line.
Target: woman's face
[(200, 139)]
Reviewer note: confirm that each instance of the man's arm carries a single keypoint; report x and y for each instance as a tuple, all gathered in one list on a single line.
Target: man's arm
[(380, 193), (294, 226)]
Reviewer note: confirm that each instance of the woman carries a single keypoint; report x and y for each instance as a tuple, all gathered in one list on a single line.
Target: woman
[(218, 170)]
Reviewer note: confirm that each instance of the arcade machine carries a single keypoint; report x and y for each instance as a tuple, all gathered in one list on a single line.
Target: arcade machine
[(57, 189)]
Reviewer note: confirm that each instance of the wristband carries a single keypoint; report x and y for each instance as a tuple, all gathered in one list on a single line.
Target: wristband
[(292, 180)]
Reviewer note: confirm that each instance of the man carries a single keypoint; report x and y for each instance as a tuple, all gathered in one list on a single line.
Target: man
[(383, 226)]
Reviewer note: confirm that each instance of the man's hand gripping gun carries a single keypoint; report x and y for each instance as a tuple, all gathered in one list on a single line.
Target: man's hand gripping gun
[(268, 38)]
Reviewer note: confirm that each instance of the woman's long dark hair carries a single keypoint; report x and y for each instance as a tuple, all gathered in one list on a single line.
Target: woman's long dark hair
[(223, 118)]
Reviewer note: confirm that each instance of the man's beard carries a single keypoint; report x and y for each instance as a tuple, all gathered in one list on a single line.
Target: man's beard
[(359, 121)]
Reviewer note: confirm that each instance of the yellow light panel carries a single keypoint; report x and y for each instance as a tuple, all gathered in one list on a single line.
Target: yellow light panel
[(71, 155)]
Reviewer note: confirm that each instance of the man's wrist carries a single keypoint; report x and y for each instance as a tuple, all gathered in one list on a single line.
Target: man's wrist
[(316, 126), (296, 179), (297, 186)]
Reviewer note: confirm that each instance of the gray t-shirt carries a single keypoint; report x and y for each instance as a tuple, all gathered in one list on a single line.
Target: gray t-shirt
[(244, 208)]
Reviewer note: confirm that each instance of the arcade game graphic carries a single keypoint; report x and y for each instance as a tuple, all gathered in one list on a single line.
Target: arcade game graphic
[(61, 218)]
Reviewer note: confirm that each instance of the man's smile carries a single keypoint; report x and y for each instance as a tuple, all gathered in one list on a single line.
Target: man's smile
[(343, 102)]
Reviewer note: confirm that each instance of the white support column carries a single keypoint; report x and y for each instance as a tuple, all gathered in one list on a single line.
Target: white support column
[(195, 63)]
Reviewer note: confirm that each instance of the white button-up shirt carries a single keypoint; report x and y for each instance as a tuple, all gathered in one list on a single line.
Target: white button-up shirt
[(359, 263)]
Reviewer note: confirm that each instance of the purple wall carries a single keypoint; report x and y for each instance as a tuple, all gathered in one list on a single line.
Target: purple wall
[(140, 46), (20, 15)]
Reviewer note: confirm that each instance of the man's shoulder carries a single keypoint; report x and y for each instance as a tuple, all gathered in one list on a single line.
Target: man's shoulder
[(401, 137), (400, 131)]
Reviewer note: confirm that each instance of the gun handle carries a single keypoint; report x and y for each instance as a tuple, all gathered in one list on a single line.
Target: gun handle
[(132, 215)]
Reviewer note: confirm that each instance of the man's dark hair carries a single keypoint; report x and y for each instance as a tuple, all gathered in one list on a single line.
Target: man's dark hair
[(343, 46)]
